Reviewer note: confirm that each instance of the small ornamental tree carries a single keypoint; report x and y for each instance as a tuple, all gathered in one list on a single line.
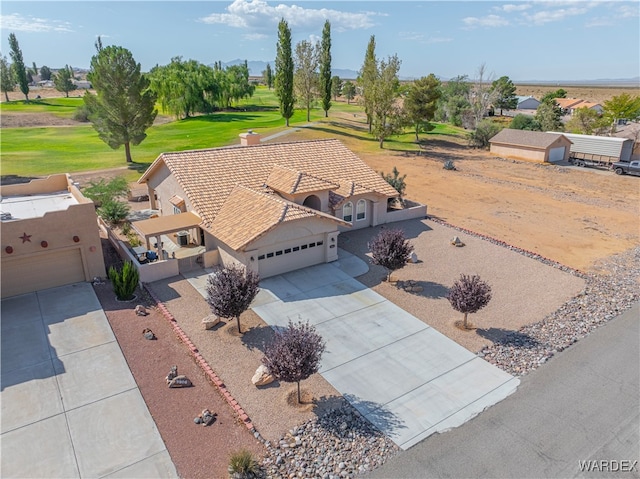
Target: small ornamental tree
[(469, 295), (231, 290), (124, 280), (390, 250), (294, 354)]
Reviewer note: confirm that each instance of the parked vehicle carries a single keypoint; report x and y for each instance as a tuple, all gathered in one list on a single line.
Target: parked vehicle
[(631, 168), (595, 161)]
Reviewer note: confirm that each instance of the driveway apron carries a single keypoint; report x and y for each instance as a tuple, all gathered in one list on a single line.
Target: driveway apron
[(70, 406), (405, 377)]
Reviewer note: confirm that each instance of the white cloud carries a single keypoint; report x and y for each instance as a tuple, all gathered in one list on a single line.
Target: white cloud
[(259, 15), (548, 16), (628, 10), (598, 22), (313, 38), (411, 36), (486, 21), (18, 23), (510, 7)]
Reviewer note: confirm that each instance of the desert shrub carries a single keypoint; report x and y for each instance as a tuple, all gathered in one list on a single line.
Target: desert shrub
[(469, 295), (449, 165), (81, 114), (395, 180), (102, 191), (242, 465), (486, 129), (113, 211), (390, 250), (524, 122), (295, 353), (124, 280)]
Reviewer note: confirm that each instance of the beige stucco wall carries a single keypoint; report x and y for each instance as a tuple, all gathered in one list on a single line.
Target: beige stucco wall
[(56, 228), (376, 207)]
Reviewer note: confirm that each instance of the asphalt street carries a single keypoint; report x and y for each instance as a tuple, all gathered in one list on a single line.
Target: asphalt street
[(582, 405)]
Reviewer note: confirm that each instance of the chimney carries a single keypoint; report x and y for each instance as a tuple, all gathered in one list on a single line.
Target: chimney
[(249, 138)]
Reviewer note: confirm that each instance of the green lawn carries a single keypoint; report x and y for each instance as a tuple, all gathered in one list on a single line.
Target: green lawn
[(43, 151)]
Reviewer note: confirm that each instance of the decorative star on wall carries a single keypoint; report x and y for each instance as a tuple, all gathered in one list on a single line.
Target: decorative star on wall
[(25, 237)]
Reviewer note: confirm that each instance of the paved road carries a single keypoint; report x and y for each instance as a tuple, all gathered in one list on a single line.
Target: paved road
[(582, 405)]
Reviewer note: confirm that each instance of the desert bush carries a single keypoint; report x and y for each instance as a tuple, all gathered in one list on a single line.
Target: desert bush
[(102, 191), (449, 165), (395, 180), (242, 465), (486, 129), (295, 353), (113, 211), (81, 114), (124, 280), (390, 250)]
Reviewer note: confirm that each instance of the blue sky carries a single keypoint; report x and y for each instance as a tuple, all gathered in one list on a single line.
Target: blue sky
[(525, 40)]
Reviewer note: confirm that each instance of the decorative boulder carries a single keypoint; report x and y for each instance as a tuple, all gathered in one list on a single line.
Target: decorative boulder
[(173, 372), (180, 382), (455, 241), (148, 334), (210, 321), (141, 311), (413, 258), (262, 376), (207, 417)]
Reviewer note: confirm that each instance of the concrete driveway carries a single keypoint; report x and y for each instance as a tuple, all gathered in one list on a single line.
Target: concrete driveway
[(70, 406), (405, 377)]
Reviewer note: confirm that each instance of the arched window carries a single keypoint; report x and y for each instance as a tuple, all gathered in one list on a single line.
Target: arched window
[(347, 212), (361, 210)]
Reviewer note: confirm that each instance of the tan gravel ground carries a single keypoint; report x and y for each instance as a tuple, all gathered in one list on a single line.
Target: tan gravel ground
[(524, 290)]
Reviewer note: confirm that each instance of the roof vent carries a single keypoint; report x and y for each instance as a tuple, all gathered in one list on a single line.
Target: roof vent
[(5, 216)]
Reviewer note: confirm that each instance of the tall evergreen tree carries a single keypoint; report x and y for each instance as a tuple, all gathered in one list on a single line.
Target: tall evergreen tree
[(421, 103), (284, 71), (19, 70), (7, 81), (367, 79), (63, 80), (305, 79), (123, 107), (267, 76), (325, 68), (386, 115), (45, 73)]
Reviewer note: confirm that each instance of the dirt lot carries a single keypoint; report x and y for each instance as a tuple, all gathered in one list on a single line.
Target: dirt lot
[(590, 93), (572, 216)]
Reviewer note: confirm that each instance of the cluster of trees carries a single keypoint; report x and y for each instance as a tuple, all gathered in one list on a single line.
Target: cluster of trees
[(187, 87), (305, 78), (16, 73)]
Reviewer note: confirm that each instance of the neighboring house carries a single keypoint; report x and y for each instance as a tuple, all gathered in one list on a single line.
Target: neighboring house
[(593, 147), (530, 145), (569, 105), (82, 84), (50, 236), (527, 103), (271, 207)]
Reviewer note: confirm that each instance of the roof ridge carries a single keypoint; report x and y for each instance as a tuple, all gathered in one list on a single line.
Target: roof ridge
[(234, 146)]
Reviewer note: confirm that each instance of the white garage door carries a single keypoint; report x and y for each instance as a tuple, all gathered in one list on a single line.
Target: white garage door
[(41, 271), (283, 258), (556, 154)]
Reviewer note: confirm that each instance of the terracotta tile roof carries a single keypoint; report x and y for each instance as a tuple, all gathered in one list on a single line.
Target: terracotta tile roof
[(208, 176), (258, 213), (567, 102), (534, 139), (290, 181), (585, 104)]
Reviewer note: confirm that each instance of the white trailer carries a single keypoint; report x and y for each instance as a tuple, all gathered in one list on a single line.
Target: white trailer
[(601, 151)]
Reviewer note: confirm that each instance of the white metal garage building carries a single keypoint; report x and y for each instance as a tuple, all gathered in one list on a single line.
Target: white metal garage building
[(592, 147)]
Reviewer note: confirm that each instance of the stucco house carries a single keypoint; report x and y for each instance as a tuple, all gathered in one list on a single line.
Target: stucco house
[(531, 145), (271, 207), (50, 236)]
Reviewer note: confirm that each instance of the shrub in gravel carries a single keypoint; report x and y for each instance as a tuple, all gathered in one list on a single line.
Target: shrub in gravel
[(295, 353), (231, 290), (124, 280), (390, 250), (242, 465), (469, 295)]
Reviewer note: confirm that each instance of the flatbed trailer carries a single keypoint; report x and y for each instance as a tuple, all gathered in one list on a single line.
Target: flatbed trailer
[(592, 160)]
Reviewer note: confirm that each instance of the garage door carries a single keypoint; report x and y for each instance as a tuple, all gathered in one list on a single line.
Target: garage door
[(283, 258), (41, 271), (556, 154)]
